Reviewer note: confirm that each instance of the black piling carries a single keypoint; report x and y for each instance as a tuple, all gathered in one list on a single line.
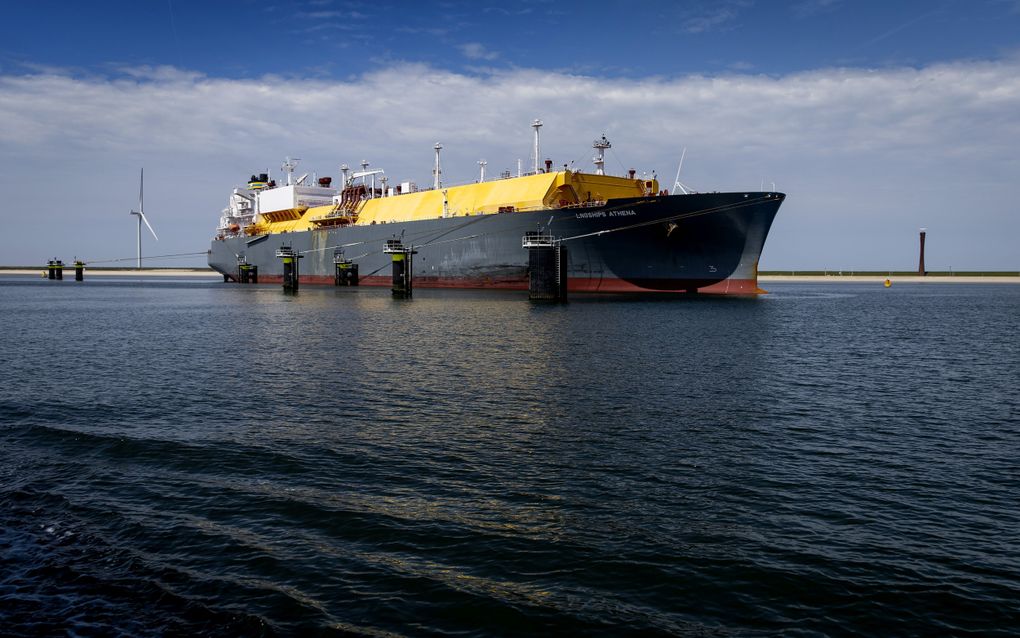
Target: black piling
[(291, 269), (51, 269), (59, 268), (247, 273), (79, 270), (547, 267), (345, 270), (403, 267)]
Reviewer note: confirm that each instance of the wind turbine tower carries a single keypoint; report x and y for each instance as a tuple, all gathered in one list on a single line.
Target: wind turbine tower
[(141, 218)]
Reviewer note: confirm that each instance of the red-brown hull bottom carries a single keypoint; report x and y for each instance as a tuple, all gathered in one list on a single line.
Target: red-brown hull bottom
[(610, 285)]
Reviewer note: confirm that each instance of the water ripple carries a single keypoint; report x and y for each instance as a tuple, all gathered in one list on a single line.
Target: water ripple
[(810, 463)]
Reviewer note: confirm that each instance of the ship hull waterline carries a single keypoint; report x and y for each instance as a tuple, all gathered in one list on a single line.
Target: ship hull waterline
[(706, 243)]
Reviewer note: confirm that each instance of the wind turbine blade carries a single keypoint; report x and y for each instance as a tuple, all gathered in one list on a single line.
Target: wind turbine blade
[(142, 217), (141, 187), (677, 184)]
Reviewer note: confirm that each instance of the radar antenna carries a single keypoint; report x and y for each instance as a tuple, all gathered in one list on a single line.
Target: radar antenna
[(288, 167)]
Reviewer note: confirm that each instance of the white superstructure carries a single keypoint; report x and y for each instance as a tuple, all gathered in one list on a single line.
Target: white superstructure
[(240, 211), (263, 196), (291, 197)]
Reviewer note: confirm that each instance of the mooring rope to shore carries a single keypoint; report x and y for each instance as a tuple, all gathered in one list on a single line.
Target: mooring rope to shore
[(93, 262)]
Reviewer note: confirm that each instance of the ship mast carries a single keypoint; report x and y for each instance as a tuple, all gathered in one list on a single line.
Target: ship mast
[(288, 167), (481, 164), (436, 172), (537, 124), (600, 147)]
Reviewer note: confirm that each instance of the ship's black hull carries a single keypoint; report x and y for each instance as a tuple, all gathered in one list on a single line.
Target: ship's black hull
[(682, 243)]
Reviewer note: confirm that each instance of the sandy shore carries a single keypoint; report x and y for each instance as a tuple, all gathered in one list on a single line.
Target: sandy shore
[(895, 279), (120, 272)]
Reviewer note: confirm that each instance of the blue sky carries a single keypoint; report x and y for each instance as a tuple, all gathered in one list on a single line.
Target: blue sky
[(338, 39), (875, 117)]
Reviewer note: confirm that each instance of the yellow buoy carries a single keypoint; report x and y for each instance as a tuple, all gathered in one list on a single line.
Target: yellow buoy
[(888, 283)]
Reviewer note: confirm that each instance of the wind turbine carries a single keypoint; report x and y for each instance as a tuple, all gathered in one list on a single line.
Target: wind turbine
[(678, 185), (141, 217)]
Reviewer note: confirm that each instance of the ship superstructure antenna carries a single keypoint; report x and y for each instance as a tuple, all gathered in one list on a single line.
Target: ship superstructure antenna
[(288, 167), (537, 124), (481, 171), (344, 169), (600, 147), (677, 184), (437, 183), (141, 217)]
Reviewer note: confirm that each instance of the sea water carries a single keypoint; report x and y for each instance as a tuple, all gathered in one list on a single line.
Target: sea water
[(198, 458)]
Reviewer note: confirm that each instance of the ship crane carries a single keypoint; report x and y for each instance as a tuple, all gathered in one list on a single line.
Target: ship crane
[(368, 173), (374, 171)]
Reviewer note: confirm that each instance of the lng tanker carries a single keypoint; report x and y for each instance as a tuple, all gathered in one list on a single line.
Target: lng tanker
[(622, 233)]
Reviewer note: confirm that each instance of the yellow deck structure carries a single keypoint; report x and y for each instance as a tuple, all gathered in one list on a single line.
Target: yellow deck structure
[(560, 189)]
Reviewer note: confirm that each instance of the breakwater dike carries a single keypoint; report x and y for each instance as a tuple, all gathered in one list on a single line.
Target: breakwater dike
[(837, 277)]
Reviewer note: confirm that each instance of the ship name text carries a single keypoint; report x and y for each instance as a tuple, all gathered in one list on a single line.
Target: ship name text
[(604, 213)]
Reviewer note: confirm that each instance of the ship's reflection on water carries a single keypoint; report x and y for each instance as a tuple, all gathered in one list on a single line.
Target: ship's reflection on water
[(233, 460)]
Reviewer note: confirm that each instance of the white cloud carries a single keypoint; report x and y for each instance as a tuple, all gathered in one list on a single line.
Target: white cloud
[(866, 156), (477, 51)]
